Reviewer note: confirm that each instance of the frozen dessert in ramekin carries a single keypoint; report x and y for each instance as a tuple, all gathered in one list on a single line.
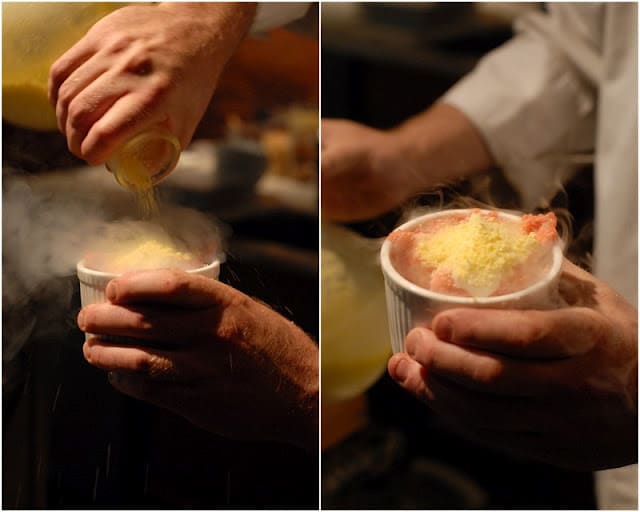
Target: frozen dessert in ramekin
[(468, 258), (137, 253)]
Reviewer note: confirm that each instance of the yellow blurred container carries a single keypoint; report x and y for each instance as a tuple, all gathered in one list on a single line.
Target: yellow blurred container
[(145, 159), (355, 336), (34, 35)]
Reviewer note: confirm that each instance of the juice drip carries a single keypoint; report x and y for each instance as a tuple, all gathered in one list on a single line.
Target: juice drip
[(132, 172), (135, 179), (147, 203)]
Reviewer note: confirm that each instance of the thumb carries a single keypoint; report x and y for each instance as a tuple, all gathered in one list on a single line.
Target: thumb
[(170, 287), (531, 334)]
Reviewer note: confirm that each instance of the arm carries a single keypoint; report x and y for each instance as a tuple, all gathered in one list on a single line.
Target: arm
[(209, 353), (141, 66), (534, 99), (366, 172), (526, 106)]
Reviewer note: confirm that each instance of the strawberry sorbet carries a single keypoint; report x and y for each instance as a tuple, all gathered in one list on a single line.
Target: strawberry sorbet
[(141, 252), (477, 253)]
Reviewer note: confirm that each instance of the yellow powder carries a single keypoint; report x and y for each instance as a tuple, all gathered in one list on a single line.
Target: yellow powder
[(133, 173), (141, 254), (147, 203), (140, 162), (477, 252)]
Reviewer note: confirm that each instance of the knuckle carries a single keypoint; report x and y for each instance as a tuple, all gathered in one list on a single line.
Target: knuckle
[(418, 384), (489, 374), (244, 302), (157, 89), (73, 149), (58, 71), (599, 331), (424, 353), (102, 131), (161, 83), (55, 71), (116, 42), (87, 152), (176, 282), (89, 352), (96, 355), (99, 138), (88, 316), (90, 158), (235, 319), (531, 331), (78, 116), (232, 329), (64, 94), (140, 323)]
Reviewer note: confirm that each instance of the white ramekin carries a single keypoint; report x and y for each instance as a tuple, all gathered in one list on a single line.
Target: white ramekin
[(409, 305)]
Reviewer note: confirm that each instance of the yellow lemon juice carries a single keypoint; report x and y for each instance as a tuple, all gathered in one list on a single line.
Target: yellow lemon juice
[(355, 334)]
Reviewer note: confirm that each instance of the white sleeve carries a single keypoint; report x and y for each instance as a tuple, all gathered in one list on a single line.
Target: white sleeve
[(271, 15), (534, 98)]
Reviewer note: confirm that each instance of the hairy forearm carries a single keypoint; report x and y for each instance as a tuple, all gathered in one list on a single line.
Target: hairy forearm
[(231, 20), (440, 146), (243, 12), (367, 171)]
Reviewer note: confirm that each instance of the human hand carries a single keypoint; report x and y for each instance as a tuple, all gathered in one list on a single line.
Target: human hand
[(209, 353), (366, 172), (143, 66), (559, 386), (361, 175)]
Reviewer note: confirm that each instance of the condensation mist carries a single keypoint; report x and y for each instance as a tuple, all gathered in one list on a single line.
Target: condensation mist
[(51, 222)]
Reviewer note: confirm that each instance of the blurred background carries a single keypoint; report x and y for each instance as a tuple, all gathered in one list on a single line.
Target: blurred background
[(382, 449), (69, 439)]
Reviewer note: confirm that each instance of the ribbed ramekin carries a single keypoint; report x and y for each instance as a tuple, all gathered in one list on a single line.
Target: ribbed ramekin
[(409, 305)]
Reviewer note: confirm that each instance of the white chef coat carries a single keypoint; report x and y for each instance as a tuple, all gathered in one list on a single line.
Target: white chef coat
[(566, 84), (270, 15)]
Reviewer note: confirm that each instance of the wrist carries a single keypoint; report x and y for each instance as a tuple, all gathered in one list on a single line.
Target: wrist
[(306, 419), (632, 389), (302, 428), (213, 10), (442, 146), (227, 22), (306, 425), (408, 156)]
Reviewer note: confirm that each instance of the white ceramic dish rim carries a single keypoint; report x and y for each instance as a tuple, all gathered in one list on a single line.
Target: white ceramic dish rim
[(82, 269), (392, 273)]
